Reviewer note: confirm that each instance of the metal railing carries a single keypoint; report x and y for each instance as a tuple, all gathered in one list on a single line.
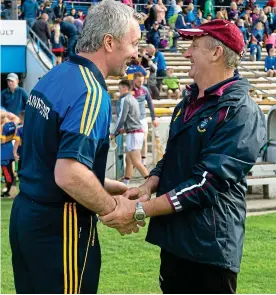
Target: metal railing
[(41, 46)]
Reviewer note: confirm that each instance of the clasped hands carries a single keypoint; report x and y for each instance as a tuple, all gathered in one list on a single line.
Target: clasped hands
[(122, 218)]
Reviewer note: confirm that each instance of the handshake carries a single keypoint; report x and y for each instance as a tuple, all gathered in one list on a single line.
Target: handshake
[(125, 218)]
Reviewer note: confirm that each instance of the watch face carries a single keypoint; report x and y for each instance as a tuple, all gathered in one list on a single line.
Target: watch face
[(140, 216)]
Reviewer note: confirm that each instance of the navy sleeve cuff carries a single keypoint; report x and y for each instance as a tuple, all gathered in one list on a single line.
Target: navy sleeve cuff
[(79, 147)]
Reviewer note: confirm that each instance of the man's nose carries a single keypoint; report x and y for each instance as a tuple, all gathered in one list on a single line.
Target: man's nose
[(187, 53)]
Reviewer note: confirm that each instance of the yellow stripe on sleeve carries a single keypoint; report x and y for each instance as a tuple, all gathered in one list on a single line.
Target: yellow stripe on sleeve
[(84, 113), (65, 247), (70, 250), (92, 77), (76, 249), (94, 98)]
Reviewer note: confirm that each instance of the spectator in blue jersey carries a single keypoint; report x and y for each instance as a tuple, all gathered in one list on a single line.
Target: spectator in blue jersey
[(13, 98), (69, 30), (215, 136), (180, 22), (18, 137), (270, 63), (141, 93), (135, 67), (30, 10), (7, 132), (245, 33), (199, 18), (65, 147), (160, 61), (60, 9), (190, 17)]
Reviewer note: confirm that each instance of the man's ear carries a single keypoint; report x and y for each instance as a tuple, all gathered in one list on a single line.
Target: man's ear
[(108, 42), (218, 53)]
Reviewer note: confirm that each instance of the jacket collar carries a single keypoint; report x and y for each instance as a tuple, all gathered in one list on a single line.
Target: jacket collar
[(77, 59)]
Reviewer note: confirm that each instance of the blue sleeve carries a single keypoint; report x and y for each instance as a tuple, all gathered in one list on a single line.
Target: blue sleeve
[(78, 131), (24, 98), (142, 70)]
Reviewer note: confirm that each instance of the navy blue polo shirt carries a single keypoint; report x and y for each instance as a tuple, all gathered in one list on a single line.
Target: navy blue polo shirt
[(14, 102), (67, 115)]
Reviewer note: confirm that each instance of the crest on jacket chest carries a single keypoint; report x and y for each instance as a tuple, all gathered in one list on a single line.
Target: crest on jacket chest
[(203, 124)]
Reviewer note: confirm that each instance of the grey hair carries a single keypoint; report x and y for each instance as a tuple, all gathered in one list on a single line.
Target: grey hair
[(231, 58), (107, 17)]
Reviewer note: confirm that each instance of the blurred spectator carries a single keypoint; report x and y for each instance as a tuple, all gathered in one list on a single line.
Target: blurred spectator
[(255, 15), (180, 22), (135, 67), (50, 12), (178, 6), (209, 9), (42, 29), (141, 93), (17, 148), (270, 42), (78, 24), (81, 15), (234, 12), (190, 17), (255, 49), (172, 83), (153, 36), (8, 128), (270, 63), (271, 3), (148, 22), (73, 13), (69, 30), (41, 9), (30, 11), (160, 12), (14, 98), (149, 65), (58, 42), (128, 2), (60, 9), (198, 18), (240, 24), (159, 59)]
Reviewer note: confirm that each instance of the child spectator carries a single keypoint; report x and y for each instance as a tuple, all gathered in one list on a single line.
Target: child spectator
[(270, 63), (271, 41), (255, 49), (81, 15), (240, 24), (255, 15), (58, 42), (234, 12), (8, 127), (17, 148), (129, 120), (153, 36), (198, 18), (172, 83), (209, 9)]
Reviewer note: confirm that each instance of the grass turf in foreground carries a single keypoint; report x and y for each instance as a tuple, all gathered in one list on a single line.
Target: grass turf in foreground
[(130, 265)]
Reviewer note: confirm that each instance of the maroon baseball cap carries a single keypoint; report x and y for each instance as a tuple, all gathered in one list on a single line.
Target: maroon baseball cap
[(226, 32)]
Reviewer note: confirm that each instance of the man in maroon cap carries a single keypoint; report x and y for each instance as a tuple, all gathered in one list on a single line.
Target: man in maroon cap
[(216, 133)]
